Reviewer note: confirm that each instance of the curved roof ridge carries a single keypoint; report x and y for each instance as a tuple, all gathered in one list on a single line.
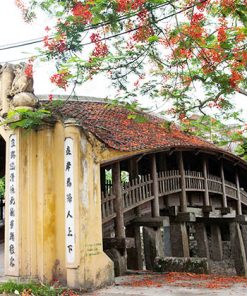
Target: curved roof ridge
[(115, 127)]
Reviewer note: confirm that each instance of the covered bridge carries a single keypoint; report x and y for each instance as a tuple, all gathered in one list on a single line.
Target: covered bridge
[(95, 182)]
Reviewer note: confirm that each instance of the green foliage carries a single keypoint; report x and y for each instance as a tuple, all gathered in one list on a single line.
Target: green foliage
[(2, 187), (27, 119), (214, 130), (124, 176), (241, 150), (37, 289)]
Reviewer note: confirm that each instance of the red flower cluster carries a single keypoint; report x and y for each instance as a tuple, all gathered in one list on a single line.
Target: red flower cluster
[(82, 12), (212, 55), (126, 5), (101, 49), (183, 53), (60, 79), (197, 17), (29, 70), (195, 31), (143, 33), (235, 78), (218, 103), (145, 30), (56, 45), (240, 60), (95, 37), (227, 3), (222, 37)]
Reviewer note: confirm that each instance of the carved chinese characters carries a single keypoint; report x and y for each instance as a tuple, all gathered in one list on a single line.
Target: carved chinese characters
[(12, 204), (69, 201)]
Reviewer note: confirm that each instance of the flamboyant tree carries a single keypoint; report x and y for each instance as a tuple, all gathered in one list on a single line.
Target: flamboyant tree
[(191, 53)]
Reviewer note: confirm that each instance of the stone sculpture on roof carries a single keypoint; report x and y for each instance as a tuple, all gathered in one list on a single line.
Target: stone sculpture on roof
[(16, 88)]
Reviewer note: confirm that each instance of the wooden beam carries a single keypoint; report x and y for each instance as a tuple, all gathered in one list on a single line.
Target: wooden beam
[(155, 201), (118, 243), (116, 186), (186, 217), (224, 200), (151, 221), (239, 206), (133, 168), (183, 197), (205, 175)]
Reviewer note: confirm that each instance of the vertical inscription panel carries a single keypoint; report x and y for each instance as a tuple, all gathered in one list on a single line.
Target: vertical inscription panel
[(12, 207), (69, 201)]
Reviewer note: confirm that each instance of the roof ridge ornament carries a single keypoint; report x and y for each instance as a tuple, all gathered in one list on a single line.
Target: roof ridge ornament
[(16, 88)]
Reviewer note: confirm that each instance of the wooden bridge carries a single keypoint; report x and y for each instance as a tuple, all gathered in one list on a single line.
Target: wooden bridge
[(201, 193), (140, 190)]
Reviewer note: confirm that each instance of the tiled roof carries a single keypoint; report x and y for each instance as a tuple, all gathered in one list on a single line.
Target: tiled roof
[(112, 126)]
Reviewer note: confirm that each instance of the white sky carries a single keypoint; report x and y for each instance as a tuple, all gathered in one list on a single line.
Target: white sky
[(13, 29)]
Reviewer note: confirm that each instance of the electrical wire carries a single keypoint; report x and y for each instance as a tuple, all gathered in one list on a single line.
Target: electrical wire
[(91, 27), (121, 33)]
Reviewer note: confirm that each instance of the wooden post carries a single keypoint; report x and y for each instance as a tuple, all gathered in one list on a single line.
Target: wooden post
[(224, 201), (102, 179), (239, 207), (155, 202), (205, 175), (133, 168), (116, 185), (183, 199)]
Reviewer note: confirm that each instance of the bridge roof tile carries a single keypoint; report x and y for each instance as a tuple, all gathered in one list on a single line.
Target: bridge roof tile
[(112, 126)]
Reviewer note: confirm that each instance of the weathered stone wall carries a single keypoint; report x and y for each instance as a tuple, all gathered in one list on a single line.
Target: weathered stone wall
[(177, 264)]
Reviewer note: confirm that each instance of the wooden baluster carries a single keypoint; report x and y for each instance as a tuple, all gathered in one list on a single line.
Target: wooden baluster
[(140, 187), (163, 182), (183, 196), (239, 206), (224, 200), (112, 206), (136, 190), (155, 201), (131, 197), (144, 191), (143, 187), (205, 175), (130, 189), (116, 180)]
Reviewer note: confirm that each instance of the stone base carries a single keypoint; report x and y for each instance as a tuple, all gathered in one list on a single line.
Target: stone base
[(120, 262), (179, 240), (177, 264), (153, 246), (238, 249)]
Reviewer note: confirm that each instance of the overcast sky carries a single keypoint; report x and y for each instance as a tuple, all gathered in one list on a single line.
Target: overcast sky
[(13, 29)]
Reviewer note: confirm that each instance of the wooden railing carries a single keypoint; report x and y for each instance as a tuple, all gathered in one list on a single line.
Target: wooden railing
[(137, 192), (169, 182), (140, 190), (107, 205)]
